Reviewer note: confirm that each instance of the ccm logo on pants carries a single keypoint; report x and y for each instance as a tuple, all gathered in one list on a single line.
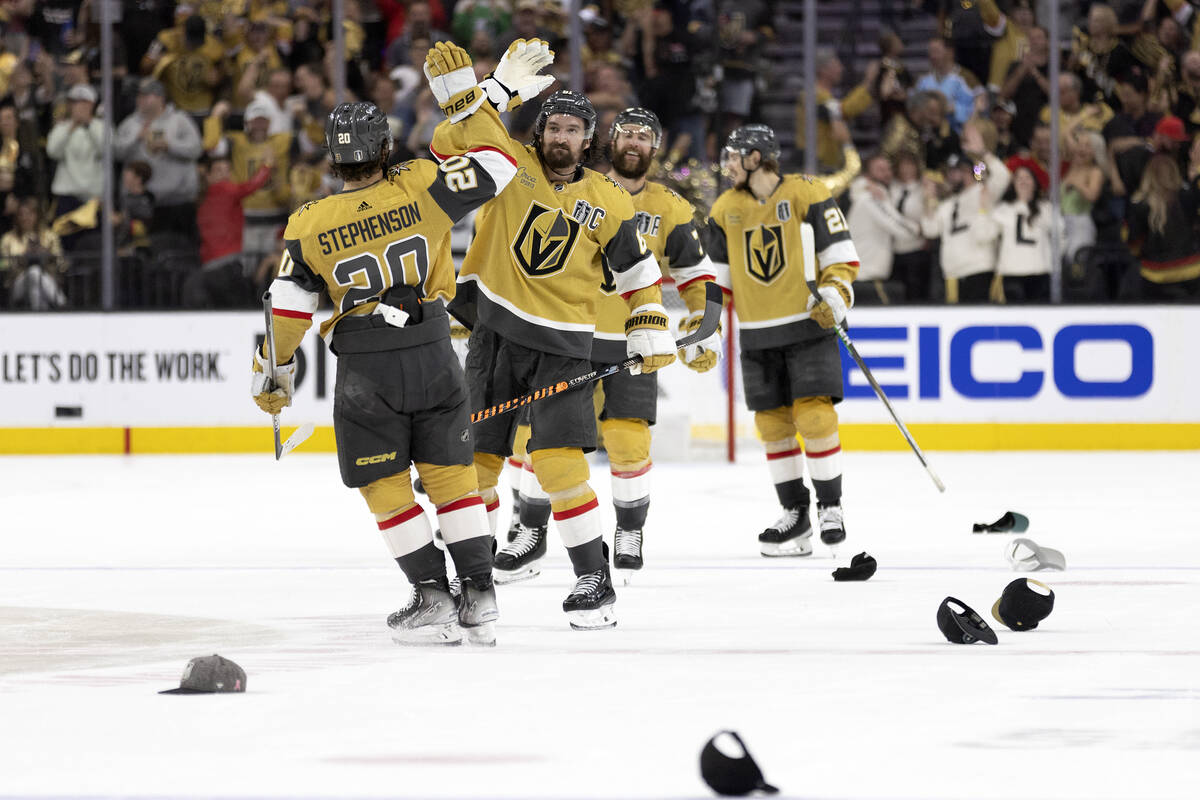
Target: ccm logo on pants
[(379, 459)]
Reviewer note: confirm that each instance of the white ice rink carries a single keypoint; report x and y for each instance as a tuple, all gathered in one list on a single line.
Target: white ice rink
[(115, 571)]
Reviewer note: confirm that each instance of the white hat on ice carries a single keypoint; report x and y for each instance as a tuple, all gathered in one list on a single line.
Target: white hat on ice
[(1026, 556)]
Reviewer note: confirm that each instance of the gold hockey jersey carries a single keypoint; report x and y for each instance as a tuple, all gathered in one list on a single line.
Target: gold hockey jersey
[(757, 250), (533, 273), (665, 221), (355, 245)]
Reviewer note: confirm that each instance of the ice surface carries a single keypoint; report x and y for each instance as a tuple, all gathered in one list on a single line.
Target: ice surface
[(115, 571)]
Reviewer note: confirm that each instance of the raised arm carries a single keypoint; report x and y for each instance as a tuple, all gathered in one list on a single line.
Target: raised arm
[(477, 157)]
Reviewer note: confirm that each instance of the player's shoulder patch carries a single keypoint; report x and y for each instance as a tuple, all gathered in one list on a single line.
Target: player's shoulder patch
[(681, 206), (667, 190), (304, 208), (805, 188), (302, 220), (665, 202), (399, 169), (613, 184)]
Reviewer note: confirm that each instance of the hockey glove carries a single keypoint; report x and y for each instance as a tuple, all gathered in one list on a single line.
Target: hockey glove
[(452, 80), (647, 335), (831, 307), (516, 74), (704, 354), (272, 397)]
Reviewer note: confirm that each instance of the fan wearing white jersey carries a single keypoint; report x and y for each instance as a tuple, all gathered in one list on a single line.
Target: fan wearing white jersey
[(967, 265), (1023, 223)]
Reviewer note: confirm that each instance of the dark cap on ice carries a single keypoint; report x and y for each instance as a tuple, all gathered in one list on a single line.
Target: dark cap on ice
[(210, 674), (731, 775), (1024, 603), (961, 625)]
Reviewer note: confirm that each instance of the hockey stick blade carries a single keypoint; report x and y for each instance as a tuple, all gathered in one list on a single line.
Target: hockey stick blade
[(710, 321), (808, 243), (297, 438), (708, 326)]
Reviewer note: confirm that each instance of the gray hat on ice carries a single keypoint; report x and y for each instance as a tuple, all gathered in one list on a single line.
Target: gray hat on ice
[(1027, 556), (210, 675)]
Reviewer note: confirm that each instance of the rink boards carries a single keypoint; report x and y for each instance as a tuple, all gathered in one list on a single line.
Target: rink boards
[(973, 378)]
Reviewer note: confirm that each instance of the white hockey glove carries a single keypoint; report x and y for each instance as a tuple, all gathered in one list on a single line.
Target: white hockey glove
[(704, 354), (647, 334), (272, 398), (516, 74), (452, 80), (831, 307)]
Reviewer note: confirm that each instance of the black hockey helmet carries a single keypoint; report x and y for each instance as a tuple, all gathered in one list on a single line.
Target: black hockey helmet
[(356, 133), (637, 117), (748, 138), (566, 101)]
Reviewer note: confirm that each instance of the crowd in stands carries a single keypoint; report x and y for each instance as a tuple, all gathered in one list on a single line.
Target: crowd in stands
[(953, 206), (218, 116)]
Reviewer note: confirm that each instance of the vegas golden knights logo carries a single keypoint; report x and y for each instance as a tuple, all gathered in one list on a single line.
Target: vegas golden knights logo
[(545, 241), (764, 252)]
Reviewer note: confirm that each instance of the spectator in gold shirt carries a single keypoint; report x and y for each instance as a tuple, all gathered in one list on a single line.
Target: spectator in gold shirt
[(189, 64)]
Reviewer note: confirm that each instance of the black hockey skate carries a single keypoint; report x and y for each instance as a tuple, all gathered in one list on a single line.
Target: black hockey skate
[(477, 610), (833, 529), (430, 618), (521, 558), (790, 536), (627, 558), (589, 606)]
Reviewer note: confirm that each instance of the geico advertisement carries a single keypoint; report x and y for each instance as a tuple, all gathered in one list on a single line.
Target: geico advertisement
[(1022, 364), (976, 364)]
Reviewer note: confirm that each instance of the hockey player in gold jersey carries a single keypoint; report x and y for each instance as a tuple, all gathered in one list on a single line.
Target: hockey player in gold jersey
[(380, 251), (630, 402), (528, 289), (791, 365)]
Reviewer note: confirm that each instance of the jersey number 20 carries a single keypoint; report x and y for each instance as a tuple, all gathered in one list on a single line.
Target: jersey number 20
[(405, 262)]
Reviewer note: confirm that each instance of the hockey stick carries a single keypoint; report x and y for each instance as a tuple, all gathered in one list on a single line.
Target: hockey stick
[(708, 326), (808, 239), (304, 431)]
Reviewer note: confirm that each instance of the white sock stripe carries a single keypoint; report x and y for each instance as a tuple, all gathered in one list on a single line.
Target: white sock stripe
[(464, 522), (786, 468), (580, 528), (530, 486), (631, 489), (825, 467), (409, 536)]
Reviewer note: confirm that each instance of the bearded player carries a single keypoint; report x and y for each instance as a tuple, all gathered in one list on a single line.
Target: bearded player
[(528, 289), (666, 222)]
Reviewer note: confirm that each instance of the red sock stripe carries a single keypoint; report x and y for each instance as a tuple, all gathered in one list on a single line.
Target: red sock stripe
[(529, 468), (492, 506), (786, 454), (400, 518), (633, 474), (515, 462), (824, 453), (461, 503), (287, 312), (571, 513)]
